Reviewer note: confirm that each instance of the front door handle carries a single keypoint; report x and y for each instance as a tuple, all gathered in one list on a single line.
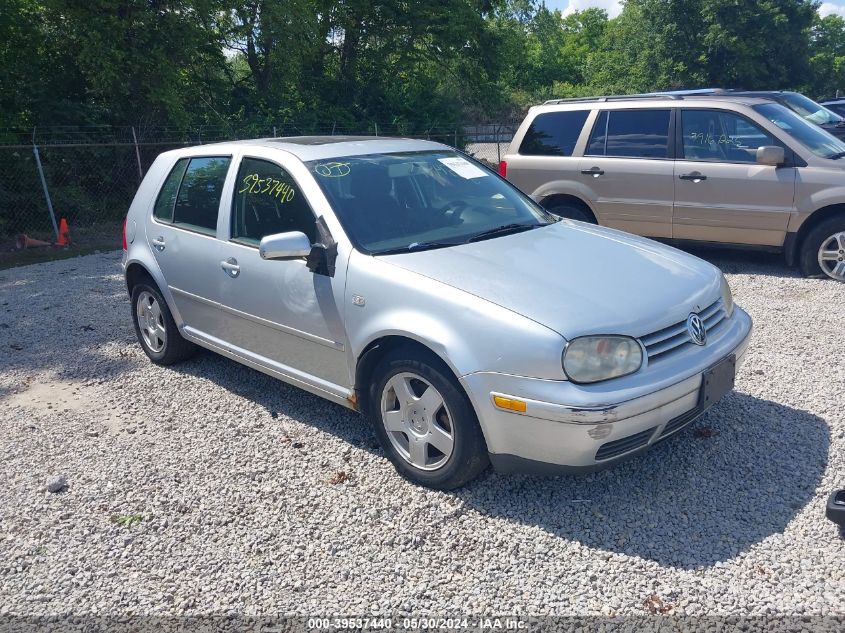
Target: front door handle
[(231, 267), (695, 176), (158, 243), (595, 172)]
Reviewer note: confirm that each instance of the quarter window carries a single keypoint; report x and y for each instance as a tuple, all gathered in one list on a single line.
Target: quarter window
[(199, 196), (166, 200), (711, 135), (268, 201), (553, 134), (630, 133)]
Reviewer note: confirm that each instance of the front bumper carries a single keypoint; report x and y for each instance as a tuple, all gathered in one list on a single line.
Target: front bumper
[(603, 423)]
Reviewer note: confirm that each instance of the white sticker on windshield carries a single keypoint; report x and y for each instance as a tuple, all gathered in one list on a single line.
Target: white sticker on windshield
[(463, 167)]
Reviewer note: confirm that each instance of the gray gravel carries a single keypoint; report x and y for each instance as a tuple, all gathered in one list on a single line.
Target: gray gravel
[(211, 488)]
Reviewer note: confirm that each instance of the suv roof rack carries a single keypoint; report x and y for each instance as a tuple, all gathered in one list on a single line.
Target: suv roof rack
[(652, 95)]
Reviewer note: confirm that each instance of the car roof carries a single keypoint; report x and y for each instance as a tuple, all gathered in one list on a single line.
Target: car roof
[(308, 148)]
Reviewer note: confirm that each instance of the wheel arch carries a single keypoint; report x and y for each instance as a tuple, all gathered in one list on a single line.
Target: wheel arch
[(556, 199), (377, 349), (793, 249)]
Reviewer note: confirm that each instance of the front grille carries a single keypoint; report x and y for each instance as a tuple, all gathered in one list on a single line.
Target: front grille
[(626, 444), (661, 342)]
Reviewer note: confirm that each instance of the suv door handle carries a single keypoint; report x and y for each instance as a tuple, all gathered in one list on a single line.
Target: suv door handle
[(695, 176), (158, 243), (595, 172), (231, 267)]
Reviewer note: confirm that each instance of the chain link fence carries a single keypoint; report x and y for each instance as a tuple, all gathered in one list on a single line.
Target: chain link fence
[(90, 174)]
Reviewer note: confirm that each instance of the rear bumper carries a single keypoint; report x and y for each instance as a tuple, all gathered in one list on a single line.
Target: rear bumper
[(600, 424)]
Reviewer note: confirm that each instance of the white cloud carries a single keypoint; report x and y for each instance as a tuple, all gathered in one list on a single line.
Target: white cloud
[(613, 7), (829, 8)]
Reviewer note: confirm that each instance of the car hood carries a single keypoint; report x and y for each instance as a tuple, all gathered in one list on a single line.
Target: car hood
[(576, 278)]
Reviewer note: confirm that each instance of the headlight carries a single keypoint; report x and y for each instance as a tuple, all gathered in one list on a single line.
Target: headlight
[(594, 358), (727, 297)]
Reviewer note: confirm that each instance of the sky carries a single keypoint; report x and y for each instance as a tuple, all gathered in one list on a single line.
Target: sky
[(613, 7)]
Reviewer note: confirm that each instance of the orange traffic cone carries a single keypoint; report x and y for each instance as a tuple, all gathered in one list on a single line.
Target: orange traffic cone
[(25, 241), (64, 234)]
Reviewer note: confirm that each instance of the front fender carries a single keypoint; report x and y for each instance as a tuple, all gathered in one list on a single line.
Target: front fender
[(468, 333)]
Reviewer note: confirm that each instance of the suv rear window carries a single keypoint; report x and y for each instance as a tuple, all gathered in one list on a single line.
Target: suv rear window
[(553, 133), (630, 133)]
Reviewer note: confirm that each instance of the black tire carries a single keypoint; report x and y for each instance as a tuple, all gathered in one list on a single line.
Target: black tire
[(808, 258), (175, 348), (468, 458), (571, 211)]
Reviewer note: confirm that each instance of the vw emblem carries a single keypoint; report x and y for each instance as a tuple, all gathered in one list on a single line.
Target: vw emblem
[(696, 329)]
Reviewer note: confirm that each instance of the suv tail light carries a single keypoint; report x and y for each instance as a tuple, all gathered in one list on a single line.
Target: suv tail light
[(503, 169), (124, 234)]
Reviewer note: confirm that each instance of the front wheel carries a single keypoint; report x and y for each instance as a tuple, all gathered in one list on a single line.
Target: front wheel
[(424, 421), (823, 250)]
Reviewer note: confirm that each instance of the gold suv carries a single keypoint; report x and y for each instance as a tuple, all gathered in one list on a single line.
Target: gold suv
[(719, 169)]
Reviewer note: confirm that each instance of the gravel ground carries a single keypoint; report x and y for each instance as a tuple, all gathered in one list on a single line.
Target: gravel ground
[(211, 488)]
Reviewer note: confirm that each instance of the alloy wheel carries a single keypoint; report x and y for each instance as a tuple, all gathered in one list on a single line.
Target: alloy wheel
[(151, 321), (832, 256)]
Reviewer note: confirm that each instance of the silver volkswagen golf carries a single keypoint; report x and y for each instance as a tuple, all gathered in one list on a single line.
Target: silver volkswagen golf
[(404, 280)]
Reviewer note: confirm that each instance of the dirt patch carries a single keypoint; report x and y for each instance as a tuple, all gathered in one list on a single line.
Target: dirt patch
[(57, 396)]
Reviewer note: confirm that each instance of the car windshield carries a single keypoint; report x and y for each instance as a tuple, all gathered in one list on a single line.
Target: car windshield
[(810, 110), (402, 202), (813, 138)]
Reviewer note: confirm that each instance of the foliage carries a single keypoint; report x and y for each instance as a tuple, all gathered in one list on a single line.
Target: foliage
[(405, 65)]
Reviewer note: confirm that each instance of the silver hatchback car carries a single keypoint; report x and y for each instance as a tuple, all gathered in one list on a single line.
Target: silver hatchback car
[(404, 280)]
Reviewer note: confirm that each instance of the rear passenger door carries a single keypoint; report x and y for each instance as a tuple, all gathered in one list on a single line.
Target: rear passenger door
[(628, 170), (182, 234), (721, 193)]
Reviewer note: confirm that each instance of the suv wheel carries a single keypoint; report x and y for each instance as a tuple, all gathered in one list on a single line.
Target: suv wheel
[(570, 211), (823, 250), (424, 421), (155, 328)]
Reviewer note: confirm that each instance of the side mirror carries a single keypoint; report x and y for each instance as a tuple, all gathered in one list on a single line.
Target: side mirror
[(770, 155), (291, 245)]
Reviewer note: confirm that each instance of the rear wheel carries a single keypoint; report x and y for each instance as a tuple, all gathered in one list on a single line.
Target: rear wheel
[(571, 211), (155, 328), (424, 421), (823, 250)]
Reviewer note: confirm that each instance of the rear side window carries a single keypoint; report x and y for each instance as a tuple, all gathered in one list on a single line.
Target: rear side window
[(163, 209), (630, 133), (553, 134), (267, 201), (199, 196)]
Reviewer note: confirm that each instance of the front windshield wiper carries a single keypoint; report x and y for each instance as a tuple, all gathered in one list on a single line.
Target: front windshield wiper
[(836, 156), (505, 229), (416, 246)]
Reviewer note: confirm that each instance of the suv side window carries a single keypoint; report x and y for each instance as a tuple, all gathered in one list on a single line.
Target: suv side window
[(553, 133), (198, 199), (166, 200), (715, 135), (268, 201), (631, 134)]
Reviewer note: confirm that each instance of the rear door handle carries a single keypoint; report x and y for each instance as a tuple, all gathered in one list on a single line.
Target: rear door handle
[(158, 243), (595, 172), (695, 176), (231, 267)]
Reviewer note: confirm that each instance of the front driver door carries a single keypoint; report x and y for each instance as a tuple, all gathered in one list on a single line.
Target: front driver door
[(721, 193), (279, 313)]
